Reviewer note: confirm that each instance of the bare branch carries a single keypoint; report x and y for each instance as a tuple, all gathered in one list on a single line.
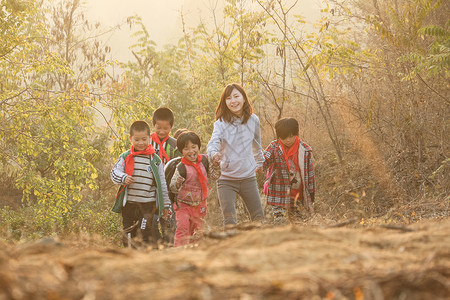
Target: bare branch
[(4, 101), (106, 120), (433, 90)]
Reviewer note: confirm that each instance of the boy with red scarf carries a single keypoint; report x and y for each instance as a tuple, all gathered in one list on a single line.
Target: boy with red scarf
[(164, 144), (143, 191), (191, 184), (166, 148), (290, 183)]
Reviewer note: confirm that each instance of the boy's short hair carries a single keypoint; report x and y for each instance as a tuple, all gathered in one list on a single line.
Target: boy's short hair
[(139, 126), (163, 114), (286, 127), (179, 131), (186, 137)]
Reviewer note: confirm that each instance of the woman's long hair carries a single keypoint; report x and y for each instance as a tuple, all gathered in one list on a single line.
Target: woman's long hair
[(222, 110)]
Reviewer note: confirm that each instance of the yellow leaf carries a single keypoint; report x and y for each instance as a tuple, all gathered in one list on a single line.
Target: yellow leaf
[(353, 194)]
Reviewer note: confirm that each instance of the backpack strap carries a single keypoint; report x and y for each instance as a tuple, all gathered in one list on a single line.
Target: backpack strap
[(182, 170), (169, 170), (170, 167), (205, 162)]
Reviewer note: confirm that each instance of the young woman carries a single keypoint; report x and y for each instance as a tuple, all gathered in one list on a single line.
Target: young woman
[(236, 143)]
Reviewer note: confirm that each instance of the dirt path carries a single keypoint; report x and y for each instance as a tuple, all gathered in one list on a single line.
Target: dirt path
[(291, 262)]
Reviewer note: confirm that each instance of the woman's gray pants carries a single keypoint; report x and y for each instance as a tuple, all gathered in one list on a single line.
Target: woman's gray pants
[(248, 190)]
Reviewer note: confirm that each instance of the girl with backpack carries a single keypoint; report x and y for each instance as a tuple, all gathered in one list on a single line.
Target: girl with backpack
[(190, 183)]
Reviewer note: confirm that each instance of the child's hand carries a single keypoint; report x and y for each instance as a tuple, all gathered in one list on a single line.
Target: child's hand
[(166, 213), (180, 181), (259, 171), (129, 180), (215, 162), (216, 158)]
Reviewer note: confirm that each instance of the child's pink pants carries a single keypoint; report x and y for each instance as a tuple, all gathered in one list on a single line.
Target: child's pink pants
[(189, 219)]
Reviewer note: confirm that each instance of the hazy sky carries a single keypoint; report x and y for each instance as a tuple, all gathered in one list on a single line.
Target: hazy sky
[(161, 18)]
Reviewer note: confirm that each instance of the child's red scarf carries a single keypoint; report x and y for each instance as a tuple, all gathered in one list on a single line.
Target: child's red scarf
[(129, 160), (201, 176), (293, 151), (160, 143)]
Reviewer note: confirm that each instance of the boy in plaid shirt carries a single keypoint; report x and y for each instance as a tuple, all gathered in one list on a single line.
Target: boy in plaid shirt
[(288, 163)]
